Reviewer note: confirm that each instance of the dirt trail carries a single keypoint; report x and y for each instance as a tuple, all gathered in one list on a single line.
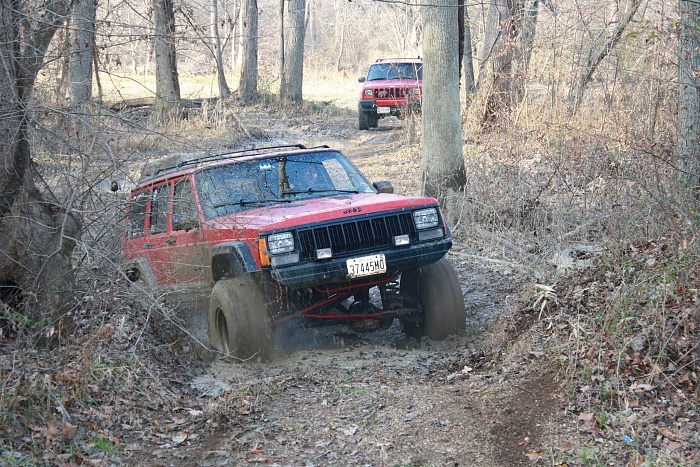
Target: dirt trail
[(336, 397)]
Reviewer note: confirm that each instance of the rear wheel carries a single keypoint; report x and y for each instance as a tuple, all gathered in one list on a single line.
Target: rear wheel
[(363, 120), (239, 321), (436, 288)]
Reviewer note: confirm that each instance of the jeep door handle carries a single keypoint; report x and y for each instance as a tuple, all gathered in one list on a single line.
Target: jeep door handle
[(170, 240)]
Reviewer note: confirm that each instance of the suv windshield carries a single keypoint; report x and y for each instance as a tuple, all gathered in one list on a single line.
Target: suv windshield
[(391, 71), (254, 183)]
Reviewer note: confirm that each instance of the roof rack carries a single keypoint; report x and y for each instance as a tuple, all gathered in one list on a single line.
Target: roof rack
[(229, 155), (398, 58)]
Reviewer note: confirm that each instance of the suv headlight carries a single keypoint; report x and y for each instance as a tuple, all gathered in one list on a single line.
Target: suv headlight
[(280, 243), (369, 93), (426, 218), (416, 91)]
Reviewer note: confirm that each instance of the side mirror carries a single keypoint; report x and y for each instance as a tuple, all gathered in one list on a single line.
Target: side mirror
[(361, 79), (383, 187)]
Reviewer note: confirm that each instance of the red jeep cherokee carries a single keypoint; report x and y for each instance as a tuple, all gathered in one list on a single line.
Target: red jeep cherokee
[(392, 87), (290, 232)]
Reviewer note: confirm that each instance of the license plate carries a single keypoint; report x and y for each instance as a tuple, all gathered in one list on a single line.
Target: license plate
[(366, 266), (383, 110)]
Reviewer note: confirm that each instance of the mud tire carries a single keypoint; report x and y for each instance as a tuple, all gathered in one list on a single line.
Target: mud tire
[(436, 288), (239, 321), (364, 120)]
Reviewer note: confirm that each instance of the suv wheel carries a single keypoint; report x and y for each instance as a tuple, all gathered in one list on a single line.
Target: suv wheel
[(364, 120), (436, 287), (374, 121), (239, 322)]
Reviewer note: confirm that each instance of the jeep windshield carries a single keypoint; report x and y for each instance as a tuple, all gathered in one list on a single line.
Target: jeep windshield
[(249, 184), (391, 71)]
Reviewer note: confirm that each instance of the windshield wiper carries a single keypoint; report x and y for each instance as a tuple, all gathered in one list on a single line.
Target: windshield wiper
[(245, 202), (311, 190)]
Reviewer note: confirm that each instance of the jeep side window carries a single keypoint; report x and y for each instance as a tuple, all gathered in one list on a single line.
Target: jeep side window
[(159, 209), (184, 210), (137, 213)]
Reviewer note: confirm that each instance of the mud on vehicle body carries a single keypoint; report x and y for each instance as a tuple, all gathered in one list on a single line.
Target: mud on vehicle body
[(392, 87), (292, 233)]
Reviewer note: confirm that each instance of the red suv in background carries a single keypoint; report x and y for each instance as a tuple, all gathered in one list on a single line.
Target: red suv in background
[(269, 235), (393, 86)]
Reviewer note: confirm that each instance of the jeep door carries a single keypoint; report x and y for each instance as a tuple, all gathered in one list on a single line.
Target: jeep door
[(177, 253)]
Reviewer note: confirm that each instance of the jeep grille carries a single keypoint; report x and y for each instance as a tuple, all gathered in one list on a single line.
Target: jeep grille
[(355, 236), (392, 93)]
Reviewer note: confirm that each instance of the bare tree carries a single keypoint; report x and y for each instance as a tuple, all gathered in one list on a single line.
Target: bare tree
[(525, 42), (468, 58), (34, 253), (82, 42), (688, 141), (224, 90), (596, 57), (294, 32), (442, 162), (167, 80), (248, 85), (496, 68)]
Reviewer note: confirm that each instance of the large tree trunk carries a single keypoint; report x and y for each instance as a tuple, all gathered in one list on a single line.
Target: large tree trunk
[(34, 256), (442, 162), (496, 69), (295, 28), (688, 141), (224, 90), (167, 80), (248, 85), (82, 41)]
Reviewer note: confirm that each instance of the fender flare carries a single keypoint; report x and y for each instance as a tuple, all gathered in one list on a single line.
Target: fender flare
[(231, 259)]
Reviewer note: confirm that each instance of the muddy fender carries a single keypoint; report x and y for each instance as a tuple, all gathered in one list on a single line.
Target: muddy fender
[(231, 259)]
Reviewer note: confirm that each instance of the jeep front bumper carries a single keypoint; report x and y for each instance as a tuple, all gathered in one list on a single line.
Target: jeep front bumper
[(335, 270)]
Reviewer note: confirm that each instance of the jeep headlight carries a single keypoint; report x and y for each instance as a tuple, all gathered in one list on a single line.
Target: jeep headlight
[(280, 243), (369, 93), (426, 218), (416, 91)]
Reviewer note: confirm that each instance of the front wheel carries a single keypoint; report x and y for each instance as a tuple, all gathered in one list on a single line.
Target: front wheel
[(436, 288), (363, 118), (239, 321)]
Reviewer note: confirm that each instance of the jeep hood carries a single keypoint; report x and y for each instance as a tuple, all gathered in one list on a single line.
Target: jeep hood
[(310, 211)]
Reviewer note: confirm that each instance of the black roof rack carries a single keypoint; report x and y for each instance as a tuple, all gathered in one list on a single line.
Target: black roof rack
[(229, 155), (398, 58)]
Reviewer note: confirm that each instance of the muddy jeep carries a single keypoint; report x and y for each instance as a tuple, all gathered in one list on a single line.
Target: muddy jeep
[(290, 233), (391, 87)]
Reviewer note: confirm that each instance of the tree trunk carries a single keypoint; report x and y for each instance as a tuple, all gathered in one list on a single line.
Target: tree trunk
[(248, 85), (167, 80), (34, 254), (294, 52), (82, 43), (283, 69), (688, 140), (496, 69), (576, 94), (224, 91), (468, 59), (526, 40), (442, 162)]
